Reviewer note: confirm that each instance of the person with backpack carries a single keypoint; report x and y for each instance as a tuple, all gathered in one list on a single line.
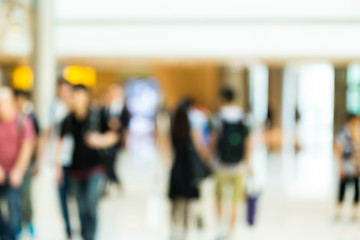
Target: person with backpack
[(17, 137), (184, 177), (232, 156), (26, 110), (87, 170), (347, 151)]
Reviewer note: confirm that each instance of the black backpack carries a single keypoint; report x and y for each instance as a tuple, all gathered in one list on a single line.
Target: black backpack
[(231, 144)]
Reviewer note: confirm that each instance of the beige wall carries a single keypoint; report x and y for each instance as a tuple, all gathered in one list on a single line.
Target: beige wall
[(197, 80)]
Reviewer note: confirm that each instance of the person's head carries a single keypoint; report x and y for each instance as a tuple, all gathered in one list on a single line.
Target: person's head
[(186, 104), (63, 90), (115, 91), (180, 126), (80, 98), (352, 120), (7, 104), (227, 95), (21, 97)]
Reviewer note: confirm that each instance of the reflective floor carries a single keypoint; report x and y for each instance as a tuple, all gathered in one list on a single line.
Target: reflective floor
[(297, 200)]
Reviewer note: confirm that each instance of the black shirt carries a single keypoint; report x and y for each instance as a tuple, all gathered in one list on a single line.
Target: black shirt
[(124, 120), (83, 157)]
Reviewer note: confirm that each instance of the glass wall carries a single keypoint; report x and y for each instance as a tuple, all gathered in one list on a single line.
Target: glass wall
[(353, 89)]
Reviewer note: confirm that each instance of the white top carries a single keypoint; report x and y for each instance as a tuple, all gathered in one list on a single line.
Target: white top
[(58, 112)]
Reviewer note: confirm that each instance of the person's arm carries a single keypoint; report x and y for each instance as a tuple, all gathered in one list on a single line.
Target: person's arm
[(58, 165), (65, 128), (203, 151), (248, 152), (2, 175), (22, 163), (40, 146), (338, 149), (102, 140), (24, 156)]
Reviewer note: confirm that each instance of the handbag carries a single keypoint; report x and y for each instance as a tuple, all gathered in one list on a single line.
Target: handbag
[(199, 169)]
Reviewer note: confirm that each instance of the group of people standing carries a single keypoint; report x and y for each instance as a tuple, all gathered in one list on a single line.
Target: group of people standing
[(86, 141), (205, 145)]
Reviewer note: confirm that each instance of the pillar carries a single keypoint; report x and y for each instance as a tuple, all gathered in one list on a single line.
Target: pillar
[(275, 95), (238, 78), (44, 60), (340, 88)]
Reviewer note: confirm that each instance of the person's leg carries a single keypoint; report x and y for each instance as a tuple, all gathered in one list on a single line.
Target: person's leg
[(173, 212), (218, 194), (186, 214), (111, 160), (63, 194), (3, 223), (14, 205), (356, 198), (80, 194), (94, 188), (341, 196), (221, 181), (26, 203), (236, 182)]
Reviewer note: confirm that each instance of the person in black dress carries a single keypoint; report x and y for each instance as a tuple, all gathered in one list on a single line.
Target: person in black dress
[(183, 187)]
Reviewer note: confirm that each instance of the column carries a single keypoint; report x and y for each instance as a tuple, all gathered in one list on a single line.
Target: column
[(44, 60), (275, 95), (238, 78), (340, 88)]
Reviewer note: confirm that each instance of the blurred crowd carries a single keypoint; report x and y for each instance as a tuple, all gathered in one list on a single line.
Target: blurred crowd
[(85, 141), (86, 136)]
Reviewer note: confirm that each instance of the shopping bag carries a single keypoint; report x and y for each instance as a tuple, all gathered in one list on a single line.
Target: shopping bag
[(251, 202)]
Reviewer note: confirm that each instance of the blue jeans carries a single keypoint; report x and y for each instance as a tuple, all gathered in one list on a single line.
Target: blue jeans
[(63, 194), (88, 193), (9, 227)]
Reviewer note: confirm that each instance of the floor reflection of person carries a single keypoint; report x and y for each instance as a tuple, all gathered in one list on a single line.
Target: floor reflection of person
[(87, 170), (346, 149), (17, 137), (183, 187)]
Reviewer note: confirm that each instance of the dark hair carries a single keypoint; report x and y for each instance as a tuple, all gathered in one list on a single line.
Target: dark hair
[(180, 128), (80, 87), (350, 117), (186, 103), (62, 81), (227, 94), (22, 93)]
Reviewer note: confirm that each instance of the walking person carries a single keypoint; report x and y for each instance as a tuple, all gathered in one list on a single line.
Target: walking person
[(26, 110), (347, 150), (58, 111), (87, 170), (16, 148), (117, 116), (184, 186), (233, 150)]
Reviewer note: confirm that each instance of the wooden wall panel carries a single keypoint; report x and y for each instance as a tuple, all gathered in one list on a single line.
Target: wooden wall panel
[(198, 81)]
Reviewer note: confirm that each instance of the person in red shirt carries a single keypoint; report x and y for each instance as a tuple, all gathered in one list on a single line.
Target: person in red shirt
[(17, 137)]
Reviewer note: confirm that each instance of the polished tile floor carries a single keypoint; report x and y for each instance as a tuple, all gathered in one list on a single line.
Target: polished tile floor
[(297, 200)]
